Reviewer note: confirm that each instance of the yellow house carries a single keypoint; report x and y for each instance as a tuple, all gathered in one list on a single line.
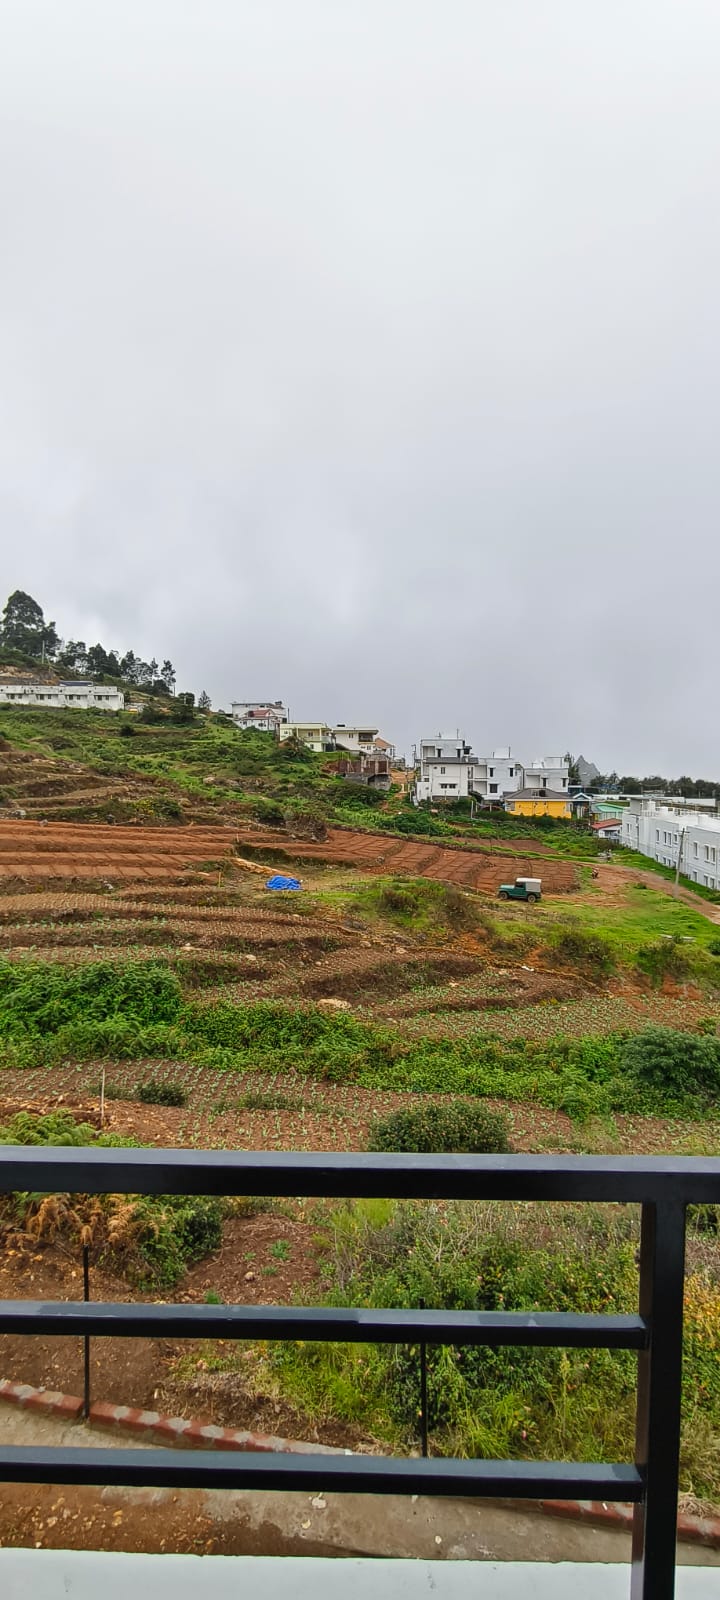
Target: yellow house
[(538, 803)]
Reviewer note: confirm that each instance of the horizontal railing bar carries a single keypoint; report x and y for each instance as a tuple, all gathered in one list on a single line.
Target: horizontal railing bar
[(352, 1324), (160, 1468), (230, 1172)]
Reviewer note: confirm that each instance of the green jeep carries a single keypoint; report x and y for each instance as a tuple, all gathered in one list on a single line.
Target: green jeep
[(529, 889)]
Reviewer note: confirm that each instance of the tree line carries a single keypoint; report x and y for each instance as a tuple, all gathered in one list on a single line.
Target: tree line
[(25, 633), (613, 783)]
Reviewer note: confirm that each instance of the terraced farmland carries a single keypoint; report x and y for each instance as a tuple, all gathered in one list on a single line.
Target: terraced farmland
[(477, 869), (82, 851)]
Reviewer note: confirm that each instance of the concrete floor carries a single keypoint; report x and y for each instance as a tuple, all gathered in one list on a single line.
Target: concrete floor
[(60, 1575)]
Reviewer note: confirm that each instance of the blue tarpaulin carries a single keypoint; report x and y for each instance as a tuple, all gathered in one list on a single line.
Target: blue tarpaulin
[(281, 882)]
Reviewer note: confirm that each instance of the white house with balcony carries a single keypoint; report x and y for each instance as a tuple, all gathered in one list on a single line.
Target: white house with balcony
[(359, 740), (667, 834), (547, 772), (318, 736), (265, 715), (496, 775), (72, 695), (444, 767), (448, 770)]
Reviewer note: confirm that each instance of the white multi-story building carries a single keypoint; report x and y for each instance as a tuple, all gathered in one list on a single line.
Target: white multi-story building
[(265, 715), (72, 695), (359, 740), (445, 763), (318, 736), (547, 772), (448, 770), (665, 834), (496, 775)]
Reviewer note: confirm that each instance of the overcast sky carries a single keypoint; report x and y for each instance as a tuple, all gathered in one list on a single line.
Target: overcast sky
[(368, 356)]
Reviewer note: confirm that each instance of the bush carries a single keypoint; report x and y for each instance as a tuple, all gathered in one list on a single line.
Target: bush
[(267, 811), (664, 959), (397, 901), (673, 1064), (57, 1128), (590, 953), (460, 1126), (157, 1093), (415, 821), (41, 998), (714, 947)]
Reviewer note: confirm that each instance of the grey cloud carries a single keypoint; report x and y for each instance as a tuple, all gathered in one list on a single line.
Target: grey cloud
[(369, 356)]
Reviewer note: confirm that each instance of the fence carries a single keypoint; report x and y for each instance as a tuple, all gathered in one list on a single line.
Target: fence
[(663, 1187)]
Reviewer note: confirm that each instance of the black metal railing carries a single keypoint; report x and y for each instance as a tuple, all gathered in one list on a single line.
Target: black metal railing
[(663, 1187)]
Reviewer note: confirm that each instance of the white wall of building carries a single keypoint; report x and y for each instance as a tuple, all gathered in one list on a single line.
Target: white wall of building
[(448, 770), (59, 696), (316, 735), (265, 715), (359, 740), (659, 832), (547, 772), (444, 768), (496, 775)]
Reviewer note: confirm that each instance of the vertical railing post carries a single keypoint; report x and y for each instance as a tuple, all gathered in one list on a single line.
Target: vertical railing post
[(86, 1337), (423, 1399), (662, 1265)]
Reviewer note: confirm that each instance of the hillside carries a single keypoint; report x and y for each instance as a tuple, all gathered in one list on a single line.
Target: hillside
[(153, 991), (82, 766)]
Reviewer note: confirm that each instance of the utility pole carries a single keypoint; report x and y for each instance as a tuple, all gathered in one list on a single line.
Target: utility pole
[(679, 861)]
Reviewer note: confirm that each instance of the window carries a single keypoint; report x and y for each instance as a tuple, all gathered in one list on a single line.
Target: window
[(491, 772), (512, 772), (657, 835), (695, 853), (493, 788), (439, 754), (707, 853), (712, 854), (442, 769)]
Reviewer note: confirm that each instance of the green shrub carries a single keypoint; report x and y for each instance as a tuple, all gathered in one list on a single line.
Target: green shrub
[(460, 1126), (678, 1065), (156, 1093), (588, 952), (57, 1128), (714, 947), (415, 821), (270, 1100), (43, 997), (399, 901), (666, 958)]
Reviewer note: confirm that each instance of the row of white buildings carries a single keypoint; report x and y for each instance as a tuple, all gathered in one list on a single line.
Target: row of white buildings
[(271, 716), (447, 769), (670, 831), (72, 695)]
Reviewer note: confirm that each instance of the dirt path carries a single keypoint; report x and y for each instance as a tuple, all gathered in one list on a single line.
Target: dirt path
[(231, 1522)]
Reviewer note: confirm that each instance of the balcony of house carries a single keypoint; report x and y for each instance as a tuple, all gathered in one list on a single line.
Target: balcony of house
[(457, 1526)]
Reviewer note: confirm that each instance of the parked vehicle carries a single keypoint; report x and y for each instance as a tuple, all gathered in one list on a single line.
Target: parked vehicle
[(529, 889)]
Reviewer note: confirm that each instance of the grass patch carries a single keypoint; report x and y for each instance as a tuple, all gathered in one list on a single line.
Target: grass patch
[(506, 1402)]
